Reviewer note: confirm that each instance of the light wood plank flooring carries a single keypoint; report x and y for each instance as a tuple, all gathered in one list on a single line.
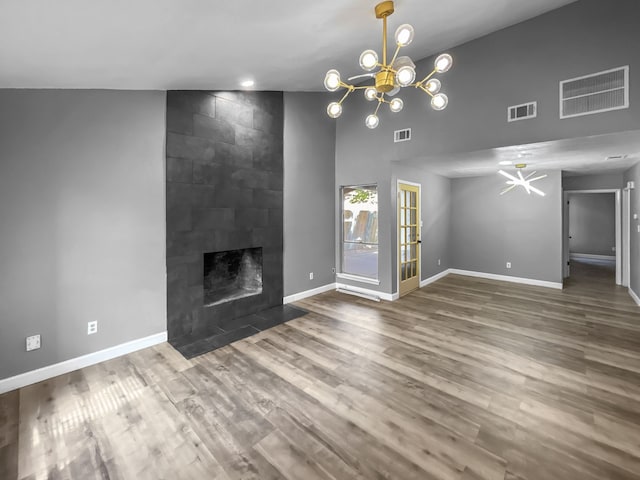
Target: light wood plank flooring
[(465, 379)]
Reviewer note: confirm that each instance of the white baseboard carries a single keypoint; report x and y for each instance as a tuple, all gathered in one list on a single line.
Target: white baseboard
[(434, 278), (372, 293), (308, 293), (45, 373), (589, 256), (635, 296), (507, 278)]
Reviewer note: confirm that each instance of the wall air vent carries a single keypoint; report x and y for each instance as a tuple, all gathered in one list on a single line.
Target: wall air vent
[(595, 93), (522, 112), (403, 135)]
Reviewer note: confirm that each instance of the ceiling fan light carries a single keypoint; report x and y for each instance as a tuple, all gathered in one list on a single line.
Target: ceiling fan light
[(433, 86), (368, 60), (332, 80), (370, 93), (404, 35), (372, 121), (334, 109), (443, 63), (405, 76), (439, 101), (396, 105)]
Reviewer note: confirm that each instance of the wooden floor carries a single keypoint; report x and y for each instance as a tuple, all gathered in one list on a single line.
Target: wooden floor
[(464, 379)]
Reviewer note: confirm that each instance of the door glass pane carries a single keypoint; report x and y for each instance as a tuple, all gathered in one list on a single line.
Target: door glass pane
[(360, 230), (413, 216), (412, 252), (413, 232), (413, 199)]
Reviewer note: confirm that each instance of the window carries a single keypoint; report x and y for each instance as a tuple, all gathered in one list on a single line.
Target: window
[(360, 231)]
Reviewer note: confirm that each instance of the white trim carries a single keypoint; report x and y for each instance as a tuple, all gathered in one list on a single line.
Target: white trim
[(434, 278), (626, 236), (618, 219), (635, 297), (371, 293), (507, 278), (50, 371), (578, 256), (308, 293), (358, 278)]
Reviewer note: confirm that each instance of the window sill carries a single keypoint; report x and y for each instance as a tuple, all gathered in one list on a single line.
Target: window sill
[(356, 278)]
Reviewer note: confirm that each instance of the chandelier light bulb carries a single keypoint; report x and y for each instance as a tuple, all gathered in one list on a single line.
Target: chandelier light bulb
[(370, 93), (405, 76), (396, 105), (332, 80), (368, 60), (372, 121), (433, 86), (334, 110), (404, 35), (443, 63), (439, 101)]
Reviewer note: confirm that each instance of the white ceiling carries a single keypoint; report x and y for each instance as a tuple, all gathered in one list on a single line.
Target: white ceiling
[(575, 156), (207, 44)]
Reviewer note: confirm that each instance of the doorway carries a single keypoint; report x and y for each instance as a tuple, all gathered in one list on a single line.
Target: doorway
[(592, 230), (408, 237)]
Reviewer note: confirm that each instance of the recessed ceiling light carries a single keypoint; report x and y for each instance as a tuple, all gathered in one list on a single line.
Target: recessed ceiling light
[(247, 83), (506, 162)]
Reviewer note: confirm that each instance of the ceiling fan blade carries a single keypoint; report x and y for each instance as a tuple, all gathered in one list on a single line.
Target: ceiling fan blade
[(508, 189), (364, 75)]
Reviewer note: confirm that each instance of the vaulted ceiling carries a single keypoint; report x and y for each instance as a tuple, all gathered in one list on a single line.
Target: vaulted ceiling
[(207, 44)]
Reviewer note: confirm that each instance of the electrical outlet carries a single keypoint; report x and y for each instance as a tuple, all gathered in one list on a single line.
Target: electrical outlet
[(613, 249), (438, 262), (310, 275), (508, 264), (333, 270), (33, 342), (92, 327)]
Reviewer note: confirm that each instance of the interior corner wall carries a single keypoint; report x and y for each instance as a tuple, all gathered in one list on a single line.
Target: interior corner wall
[(435, 213), (82, 216), (309, 198), (633, 175), (488, 229)]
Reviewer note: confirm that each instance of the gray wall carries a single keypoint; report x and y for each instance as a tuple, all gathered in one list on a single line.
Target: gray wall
[(592, 223), (309, 199), (488, 230), (522, 63), (82, 216), (633, 175), (592, 182), (435, 206)]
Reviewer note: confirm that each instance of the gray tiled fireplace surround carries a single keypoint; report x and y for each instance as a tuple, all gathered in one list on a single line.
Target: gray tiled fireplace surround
[(224, 192)]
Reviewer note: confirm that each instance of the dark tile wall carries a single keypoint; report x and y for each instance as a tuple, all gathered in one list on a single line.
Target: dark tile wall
[(224, 192)]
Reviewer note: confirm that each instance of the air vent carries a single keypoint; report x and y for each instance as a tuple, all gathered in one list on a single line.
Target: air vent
[(522, 112), (595, 93), (402, 135)]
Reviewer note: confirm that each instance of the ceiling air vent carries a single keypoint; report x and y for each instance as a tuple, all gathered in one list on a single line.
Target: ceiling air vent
[(598, 92), (522, 112), (402, 135)]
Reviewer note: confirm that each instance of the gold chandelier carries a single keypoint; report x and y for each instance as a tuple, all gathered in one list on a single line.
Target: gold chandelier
[(390, 77)]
